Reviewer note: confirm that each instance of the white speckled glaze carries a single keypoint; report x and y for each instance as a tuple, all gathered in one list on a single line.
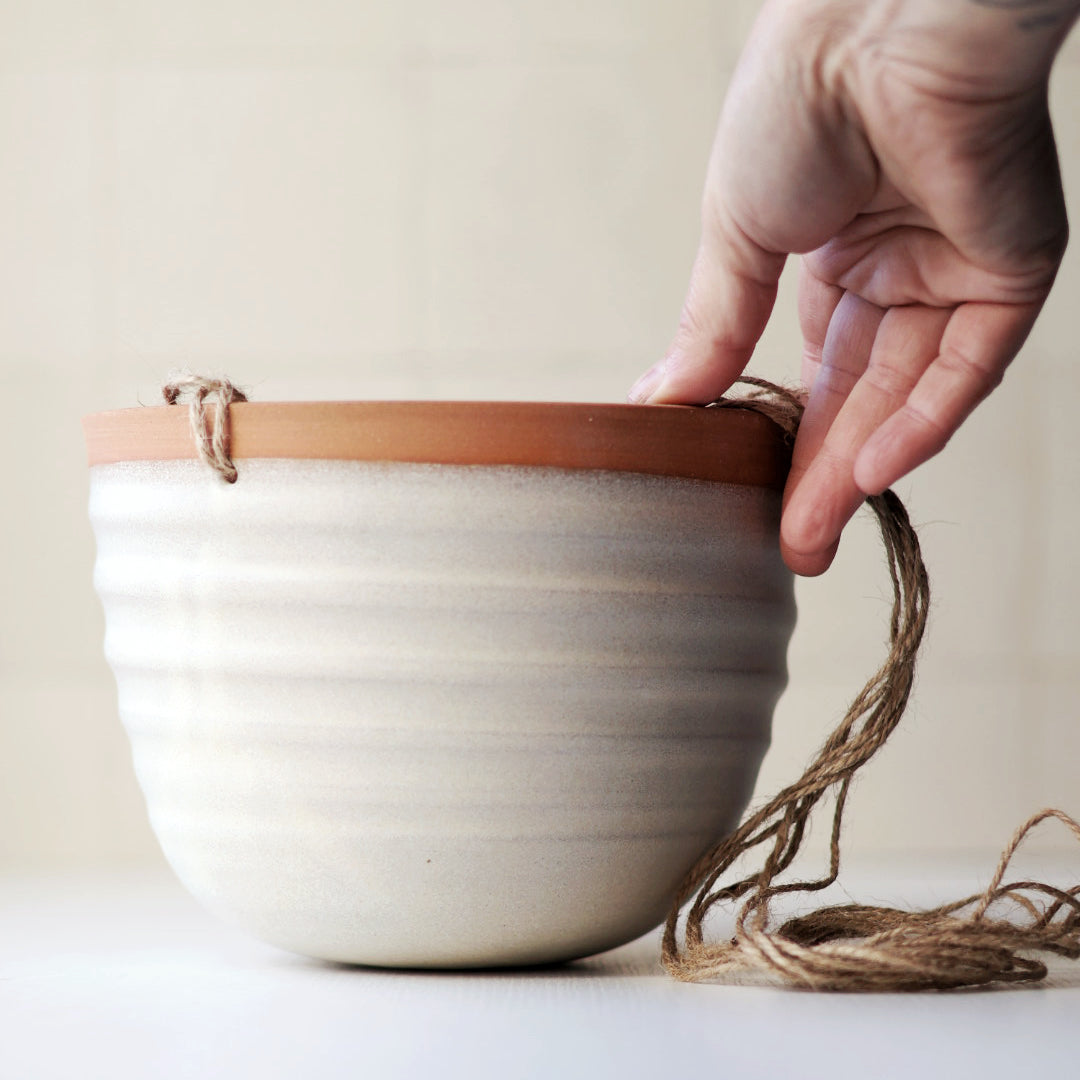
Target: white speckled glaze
[(432, 715)]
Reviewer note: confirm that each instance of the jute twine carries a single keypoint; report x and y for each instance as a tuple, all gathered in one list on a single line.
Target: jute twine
[(990, 937), (208, 416), (986, 938)]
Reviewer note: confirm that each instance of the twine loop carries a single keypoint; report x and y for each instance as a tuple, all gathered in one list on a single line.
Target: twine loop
[(983, 939), (208, 416)]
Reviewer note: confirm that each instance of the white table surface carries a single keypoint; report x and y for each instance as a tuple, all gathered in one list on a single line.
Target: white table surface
[(123, 976)]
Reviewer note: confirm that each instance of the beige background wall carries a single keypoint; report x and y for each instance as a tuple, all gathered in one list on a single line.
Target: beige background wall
[(490, 198)]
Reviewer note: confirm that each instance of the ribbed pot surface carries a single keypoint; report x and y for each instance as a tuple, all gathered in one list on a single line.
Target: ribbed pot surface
[(436, 715)]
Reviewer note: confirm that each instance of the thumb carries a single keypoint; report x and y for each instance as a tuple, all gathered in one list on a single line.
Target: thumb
[(731, 295)]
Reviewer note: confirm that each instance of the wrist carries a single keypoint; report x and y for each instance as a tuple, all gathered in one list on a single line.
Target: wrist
[(985, 46)]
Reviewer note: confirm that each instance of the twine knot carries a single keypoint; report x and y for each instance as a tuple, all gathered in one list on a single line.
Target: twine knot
[(208, 416)]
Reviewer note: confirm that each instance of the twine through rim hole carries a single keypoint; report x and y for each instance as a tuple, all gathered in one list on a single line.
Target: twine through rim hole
[(855, 946), (208, 416)]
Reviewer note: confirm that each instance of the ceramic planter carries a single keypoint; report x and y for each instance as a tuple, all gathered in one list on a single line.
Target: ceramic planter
[(443, 684)]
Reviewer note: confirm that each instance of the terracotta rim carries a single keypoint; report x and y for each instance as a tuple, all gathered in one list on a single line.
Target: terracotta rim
[(736, 446)]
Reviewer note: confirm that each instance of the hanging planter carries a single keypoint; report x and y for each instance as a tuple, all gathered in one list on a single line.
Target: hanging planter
[(441, 684)]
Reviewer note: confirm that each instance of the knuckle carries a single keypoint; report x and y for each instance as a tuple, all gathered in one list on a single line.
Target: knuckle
[(889, 378), (955, 360), (937, 433), (836, 380), (698, 333)]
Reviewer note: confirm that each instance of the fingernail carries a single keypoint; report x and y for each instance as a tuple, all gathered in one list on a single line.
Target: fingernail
[(642, 390)]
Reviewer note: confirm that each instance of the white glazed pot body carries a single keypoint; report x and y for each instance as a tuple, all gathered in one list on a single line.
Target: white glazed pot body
[(437, 716)]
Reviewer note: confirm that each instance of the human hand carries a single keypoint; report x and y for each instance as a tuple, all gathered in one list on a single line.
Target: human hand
[(906, 148)]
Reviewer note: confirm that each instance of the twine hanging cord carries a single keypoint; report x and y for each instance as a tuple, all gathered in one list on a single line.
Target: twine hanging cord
[(208, 415), (983, 939)]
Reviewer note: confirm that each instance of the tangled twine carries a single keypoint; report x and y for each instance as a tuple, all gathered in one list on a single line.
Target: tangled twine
[(211, 436), (854, 946)]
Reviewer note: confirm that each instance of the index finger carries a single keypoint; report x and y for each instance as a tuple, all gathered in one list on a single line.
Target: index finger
[(731, 295)]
